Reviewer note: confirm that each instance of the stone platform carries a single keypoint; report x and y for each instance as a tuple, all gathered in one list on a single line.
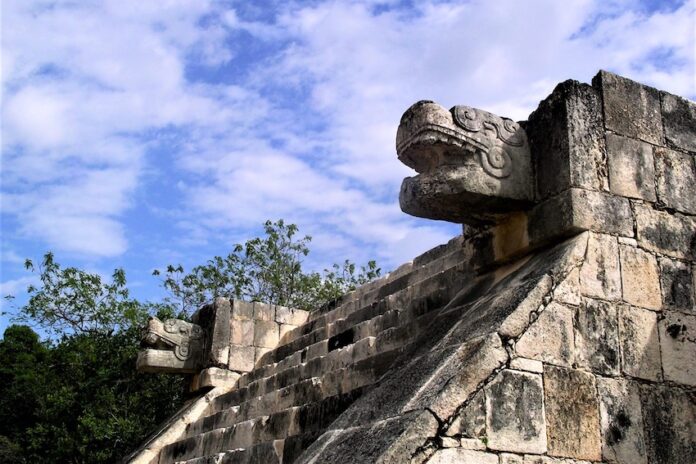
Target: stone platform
[(561, 330)]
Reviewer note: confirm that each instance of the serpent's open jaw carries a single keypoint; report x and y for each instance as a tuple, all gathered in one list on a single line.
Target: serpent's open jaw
[(428, 139)]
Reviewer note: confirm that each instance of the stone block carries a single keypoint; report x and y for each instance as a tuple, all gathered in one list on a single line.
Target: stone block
[(568, 290), (242, 310), (266, 333), (676, 179), (462, 456), (529, 365), (677, 282), (447, 442), (597, 337), (669, 416), (640, 278), (241, 358), (509, 425), (550, 337), (285, 329), (518, 321), (242, 331), (216, 377), (259, 353), (507, 458), (678, 346), (669, 234), (640, 346), (264, 311), (679, 120), (621, 421), (600, 275), (576, 210), (630, 108), (572, 414), (292, 316), (470, 421), (631, 167), (472, 444), (566, 135)]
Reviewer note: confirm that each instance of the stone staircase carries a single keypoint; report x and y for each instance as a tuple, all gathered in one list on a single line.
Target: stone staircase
[(320, 368)]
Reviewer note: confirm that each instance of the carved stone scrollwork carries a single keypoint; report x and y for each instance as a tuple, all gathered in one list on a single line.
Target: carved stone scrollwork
[(171, 346), (496, 159)]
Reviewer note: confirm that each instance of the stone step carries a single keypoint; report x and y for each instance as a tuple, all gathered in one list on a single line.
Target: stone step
[(329, 369), (226, 415), (353, 311), (296, 420), (386, 341), (272, 452), (364, 323)]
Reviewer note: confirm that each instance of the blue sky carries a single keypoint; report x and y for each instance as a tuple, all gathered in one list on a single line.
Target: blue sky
[(140, 133)]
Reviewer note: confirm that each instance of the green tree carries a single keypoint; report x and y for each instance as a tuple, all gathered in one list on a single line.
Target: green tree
[(267, 269), (73, 300)]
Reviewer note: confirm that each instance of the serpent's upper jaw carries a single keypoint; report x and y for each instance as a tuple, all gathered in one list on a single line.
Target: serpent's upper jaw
[(473, 166)]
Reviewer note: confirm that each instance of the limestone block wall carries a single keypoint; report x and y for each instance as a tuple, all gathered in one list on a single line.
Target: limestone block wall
[(606, 370), (256, 328)]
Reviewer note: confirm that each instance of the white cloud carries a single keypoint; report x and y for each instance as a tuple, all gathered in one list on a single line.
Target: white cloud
[(304, 131)]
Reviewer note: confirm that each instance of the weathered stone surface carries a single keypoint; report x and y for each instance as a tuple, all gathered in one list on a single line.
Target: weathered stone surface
[(630, 108), (472, 444), (550, 337), (507, 458), (291, 316), (572, 415), (597, 337), (529, 365), (568, 290), (241, 358), (518, 321), (242, 310), (621, 421), (669, 415), (264, 311), (566, 135), (576, 210), (676, 179), (631, 167), (640, 278), (470, 422), (515, 413), (242, 332), (285, 329), (678, 346), (218, 343), (669, 234), (216, 377), (640, 346), (463, 456), (390, 441), (266, 333), (600, 275), (677, 282), (679, 119)]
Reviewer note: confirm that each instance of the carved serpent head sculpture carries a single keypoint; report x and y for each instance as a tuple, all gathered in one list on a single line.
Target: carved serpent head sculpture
[(473, 167)]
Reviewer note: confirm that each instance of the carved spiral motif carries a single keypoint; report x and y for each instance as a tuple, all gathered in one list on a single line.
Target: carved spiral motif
[(496, 162)]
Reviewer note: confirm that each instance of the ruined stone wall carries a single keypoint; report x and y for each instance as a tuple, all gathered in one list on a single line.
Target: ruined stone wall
[(607, 370)]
